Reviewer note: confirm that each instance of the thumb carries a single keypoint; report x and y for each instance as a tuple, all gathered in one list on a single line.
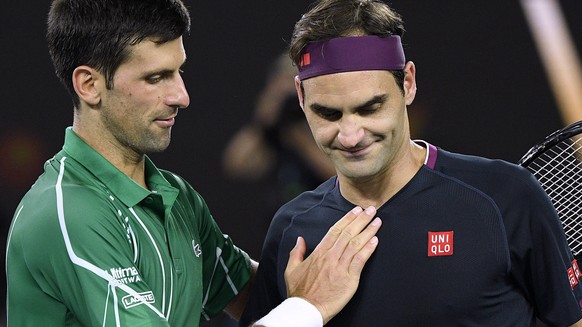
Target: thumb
[(297, 253)]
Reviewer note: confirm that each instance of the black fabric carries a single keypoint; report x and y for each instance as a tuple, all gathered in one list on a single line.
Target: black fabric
[(509, 262)]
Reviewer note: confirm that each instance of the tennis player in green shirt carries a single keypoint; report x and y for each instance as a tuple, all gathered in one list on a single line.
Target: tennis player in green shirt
[(104, 237)]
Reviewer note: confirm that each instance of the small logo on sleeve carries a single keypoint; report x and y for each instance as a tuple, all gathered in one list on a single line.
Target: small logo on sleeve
[(125, 275), (440, 244), (141, 298), (577, 272), (574, 274), (572, 277)]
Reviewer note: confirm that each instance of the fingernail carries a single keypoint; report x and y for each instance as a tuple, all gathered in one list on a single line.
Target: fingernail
[(376, 222), (357, 210), (370, 210), (374, 240)]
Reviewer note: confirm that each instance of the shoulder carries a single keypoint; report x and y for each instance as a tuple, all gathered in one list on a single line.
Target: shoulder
[(51, 211), (306, 201), (513, 189), (49, 218), (463, 162), (484, 173), (70, 199)]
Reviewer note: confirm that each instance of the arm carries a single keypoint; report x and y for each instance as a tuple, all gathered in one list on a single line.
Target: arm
[(236, 306), (577, 324), (329, 277)]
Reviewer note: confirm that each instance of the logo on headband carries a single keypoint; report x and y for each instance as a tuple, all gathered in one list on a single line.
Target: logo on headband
[(351, 53), (305, 60)]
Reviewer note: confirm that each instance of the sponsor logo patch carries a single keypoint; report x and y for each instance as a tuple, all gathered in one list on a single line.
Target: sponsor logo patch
[(305, 60), (125, 275), (131, 301), (572, 277), (577, 272), (440, 244)]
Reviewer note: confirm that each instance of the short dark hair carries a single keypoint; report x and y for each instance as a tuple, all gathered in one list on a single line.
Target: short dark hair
[(97, 33), (328, 19)]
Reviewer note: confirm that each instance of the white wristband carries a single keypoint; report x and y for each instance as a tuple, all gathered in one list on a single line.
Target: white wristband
[(293, 312)]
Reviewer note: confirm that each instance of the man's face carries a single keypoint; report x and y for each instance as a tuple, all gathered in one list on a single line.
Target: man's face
[(139, 112), (358, 119)]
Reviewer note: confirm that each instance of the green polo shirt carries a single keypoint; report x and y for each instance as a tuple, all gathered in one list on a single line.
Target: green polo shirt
[(90, 247)]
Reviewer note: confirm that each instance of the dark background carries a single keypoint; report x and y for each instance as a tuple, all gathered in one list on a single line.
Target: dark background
[(481, 90)]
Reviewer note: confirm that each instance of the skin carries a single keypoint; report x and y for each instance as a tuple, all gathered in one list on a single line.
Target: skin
[(136, 117), (359, 120)]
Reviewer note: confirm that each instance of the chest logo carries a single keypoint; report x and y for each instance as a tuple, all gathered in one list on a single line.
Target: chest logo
[(440, 244), (196, 248)]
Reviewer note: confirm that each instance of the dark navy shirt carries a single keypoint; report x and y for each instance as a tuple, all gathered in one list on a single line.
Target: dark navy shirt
[(467, 242)]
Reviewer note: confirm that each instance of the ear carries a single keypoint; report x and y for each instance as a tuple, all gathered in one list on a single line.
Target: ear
[(409, 82), (88, 84), (299, 92)]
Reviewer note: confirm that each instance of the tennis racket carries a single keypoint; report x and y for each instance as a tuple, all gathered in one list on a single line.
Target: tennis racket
[(557, 164)]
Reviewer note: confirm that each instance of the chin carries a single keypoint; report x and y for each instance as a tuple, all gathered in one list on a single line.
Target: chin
[(156, 148), (355, 173)]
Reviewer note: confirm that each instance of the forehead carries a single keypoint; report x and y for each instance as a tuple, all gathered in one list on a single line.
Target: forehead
[(148, 52), (356, 85)]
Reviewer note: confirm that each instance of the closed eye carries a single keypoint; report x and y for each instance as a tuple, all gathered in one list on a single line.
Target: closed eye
[(372, 106), (367, 111), (326, 113), (156, 78)]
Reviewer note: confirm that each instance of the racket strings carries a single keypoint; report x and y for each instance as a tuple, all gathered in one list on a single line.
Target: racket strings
[(559, 171)]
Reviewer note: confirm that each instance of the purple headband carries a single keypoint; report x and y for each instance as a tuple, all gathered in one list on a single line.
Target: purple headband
[(353, 53)]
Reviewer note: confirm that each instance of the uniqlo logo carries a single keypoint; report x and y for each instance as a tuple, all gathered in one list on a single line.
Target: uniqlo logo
[(440, 244), (577, 272), (305, 60), (572, 277)]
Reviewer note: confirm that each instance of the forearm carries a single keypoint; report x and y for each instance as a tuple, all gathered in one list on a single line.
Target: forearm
[(237, 305)]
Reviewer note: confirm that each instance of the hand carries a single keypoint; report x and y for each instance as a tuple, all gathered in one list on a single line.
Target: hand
[(329, 277)]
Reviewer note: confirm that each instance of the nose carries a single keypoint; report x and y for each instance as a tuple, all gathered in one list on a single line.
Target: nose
[(178, 96), (350, 132)]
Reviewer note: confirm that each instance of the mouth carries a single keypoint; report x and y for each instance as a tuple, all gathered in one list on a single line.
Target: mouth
[(166, 122), (355, 153)]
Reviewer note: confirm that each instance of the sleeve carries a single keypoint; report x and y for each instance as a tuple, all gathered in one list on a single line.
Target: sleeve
[(78, 254), (226, 268), (266, 293), (542, 262)]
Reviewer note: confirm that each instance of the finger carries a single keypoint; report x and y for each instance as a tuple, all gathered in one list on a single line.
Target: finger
[(348, 218), (360, 259), (297, 253), (358, 248), (335, 231), (354, 229)]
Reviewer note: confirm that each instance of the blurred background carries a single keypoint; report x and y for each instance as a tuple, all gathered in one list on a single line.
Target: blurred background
[(482, 89)]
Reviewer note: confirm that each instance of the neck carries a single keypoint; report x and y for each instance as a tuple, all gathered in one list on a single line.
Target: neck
[(378, 189), (129, 162)]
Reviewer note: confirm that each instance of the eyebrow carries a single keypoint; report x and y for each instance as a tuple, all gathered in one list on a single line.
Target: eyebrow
[(164, 71), (374, 100)]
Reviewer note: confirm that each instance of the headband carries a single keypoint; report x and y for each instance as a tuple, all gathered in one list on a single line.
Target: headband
[(353, 53)]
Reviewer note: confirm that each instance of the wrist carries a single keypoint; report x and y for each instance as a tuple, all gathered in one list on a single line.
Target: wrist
[(294, 311)]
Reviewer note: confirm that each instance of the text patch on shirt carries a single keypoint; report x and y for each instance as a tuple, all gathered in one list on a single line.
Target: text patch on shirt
[(440, 244)]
